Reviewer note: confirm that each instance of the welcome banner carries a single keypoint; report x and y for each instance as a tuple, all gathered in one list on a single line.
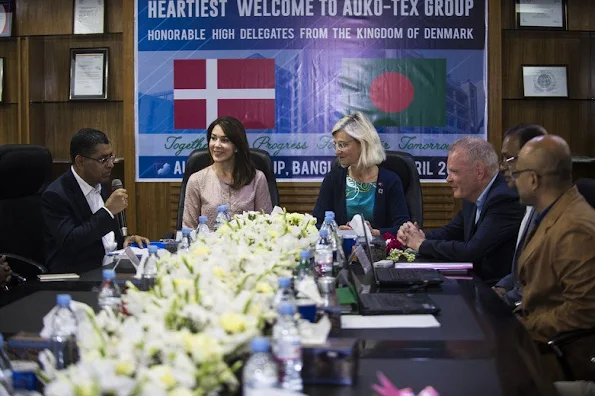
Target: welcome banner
[(290, 69)]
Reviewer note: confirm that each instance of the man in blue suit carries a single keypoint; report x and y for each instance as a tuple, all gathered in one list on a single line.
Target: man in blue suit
[(79, 214), (484, 231)]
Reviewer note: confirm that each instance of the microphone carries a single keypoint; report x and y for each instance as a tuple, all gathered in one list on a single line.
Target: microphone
[(121, 217)]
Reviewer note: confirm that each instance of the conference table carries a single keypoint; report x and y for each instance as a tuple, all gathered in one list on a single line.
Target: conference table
[(480, 348)]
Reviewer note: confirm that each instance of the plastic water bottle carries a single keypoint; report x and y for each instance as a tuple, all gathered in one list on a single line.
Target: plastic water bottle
[(287, 349), (228, 214), (110, 296), (186, 241), (260, 372), (304, 268), (323, 255), (329, 219), (284, 293), (338, 253), (203, 227), (63, 338), (150, 269), (5, 369), (222, 216)]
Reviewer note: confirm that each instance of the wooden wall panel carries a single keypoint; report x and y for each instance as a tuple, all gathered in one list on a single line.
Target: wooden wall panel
[(53, 17), (494, 93), (571, 119), (9, 123), (62, 120), (51, 56), (439, 205), (547, 48), (581, 14), (153, 208)]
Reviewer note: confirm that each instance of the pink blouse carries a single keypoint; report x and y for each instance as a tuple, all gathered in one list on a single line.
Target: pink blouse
[(205, 191)]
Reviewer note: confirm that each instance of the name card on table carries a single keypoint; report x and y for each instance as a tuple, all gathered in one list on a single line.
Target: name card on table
[(363, 258)]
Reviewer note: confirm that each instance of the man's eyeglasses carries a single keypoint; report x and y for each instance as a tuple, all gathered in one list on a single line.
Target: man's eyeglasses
[(341, 145), (515, 174), (103, 160), (509, 160)]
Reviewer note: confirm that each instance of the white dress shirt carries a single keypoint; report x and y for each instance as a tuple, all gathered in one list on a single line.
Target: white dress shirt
[(95, 201)]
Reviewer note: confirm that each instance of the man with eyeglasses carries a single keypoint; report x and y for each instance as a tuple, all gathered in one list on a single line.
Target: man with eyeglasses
[(514, 139), (80, 224), (556, 268)]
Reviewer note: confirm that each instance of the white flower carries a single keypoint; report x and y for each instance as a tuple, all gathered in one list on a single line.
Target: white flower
[(205, 308)]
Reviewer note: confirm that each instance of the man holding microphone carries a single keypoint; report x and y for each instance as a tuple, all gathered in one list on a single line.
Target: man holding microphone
[(80, 216)]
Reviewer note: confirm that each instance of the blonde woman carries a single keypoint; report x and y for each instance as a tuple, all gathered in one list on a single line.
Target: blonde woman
[(360, 185)]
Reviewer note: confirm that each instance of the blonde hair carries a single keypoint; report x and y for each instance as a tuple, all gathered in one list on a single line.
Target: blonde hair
[(359, 127)]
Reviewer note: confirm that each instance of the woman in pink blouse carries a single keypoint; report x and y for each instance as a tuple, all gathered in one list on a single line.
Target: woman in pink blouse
[(231, 179)]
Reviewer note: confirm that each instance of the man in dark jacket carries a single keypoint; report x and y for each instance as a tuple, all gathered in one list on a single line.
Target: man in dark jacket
[(79, 213), (484, 231)]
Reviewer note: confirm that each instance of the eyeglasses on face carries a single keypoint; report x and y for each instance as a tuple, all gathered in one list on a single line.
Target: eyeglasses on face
[(341, 145), (509, 160), (515, 174), (103, 160)]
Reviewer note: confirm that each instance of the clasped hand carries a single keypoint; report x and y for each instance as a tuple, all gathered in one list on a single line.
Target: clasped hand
[(142, 242), (411, 235)]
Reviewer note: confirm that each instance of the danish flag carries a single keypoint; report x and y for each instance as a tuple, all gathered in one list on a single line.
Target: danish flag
[(205, 89)]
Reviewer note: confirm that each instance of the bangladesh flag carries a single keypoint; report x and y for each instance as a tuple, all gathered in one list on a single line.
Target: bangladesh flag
[(396, 92)]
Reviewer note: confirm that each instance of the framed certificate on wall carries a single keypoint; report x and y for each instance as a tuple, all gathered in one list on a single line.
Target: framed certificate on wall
[(541, 14), (89, 16), (6, 11), (88, 73), (545, 81)]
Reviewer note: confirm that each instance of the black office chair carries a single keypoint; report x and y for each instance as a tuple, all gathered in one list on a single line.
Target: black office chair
[(402, 164), (199, 159), (25, 172), (587, 188)]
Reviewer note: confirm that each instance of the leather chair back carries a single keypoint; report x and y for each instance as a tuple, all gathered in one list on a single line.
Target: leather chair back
[(402, 164), (587, 188), (25, 171), (200, 159)]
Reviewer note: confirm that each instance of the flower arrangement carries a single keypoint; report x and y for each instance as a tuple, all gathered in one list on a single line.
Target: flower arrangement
[(395, 249), (187, 335)]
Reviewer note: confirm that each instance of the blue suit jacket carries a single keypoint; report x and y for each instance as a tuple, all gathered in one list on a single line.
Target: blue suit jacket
[(72, 233), (490, 244), (390, 209)]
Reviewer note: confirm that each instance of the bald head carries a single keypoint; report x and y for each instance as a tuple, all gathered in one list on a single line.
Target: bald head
[(550, 156)]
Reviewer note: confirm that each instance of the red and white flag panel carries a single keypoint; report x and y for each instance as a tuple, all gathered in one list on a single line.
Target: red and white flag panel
[(205, 89)]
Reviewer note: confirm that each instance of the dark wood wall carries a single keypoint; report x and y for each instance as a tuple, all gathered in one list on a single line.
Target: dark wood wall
[(36, 107)]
